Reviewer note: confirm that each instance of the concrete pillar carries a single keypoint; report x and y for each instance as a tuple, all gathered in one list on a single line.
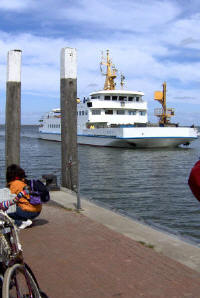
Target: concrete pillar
[(13, 108), (68, 104)]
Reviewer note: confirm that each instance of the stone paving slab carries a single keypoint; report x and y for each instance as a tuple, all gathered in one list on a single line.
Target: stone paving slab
[(74, 256), (168, 244)]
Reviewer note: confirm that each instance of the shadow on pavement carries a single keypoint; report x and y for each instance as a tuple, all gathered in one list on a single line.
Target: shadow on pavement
[(40, 222)]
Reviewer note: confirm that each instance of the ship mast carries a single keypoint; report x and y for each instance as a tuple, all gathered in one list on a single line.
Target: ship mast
[(122, 81), (110, 72), (165, 113)]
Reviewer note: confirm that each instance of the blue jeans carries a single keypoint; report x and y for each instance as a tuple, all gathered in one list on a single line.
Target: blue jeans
[(21, 215)]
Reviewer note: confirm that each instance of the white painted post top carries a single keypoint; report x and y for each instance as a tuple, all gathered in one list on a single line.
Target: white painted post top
[(14, 66), (68, 63)]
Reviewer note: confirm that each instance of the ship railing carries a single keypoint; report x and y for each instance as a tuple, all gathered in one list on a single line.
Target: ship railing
[(169, 112)]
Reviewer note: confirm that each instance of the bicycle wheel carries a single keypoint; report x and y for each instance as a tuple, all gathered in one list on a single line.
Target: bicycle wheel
[(19, 283)]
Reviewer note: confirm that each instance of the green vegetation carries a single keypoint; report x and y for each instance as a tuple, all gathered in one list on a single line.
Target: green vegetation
[(146, 244)]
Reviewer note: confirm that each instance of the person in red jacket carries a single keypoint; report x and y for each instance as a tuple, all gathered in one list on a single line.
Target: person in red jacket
[(25, 212)]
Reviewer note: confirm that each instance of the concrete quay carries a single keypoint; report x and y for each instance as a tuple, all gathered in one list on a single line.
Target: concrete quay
[(98, 253), (167, 244)]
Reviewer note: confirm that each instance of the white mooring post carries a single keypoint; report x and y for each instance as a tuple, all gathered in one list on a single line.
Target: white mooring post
[(68, 104), (13, 108)]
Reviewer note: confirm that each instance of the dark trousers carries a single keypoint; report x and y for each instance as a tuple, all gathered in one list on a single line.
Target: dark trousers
[(21, 215)]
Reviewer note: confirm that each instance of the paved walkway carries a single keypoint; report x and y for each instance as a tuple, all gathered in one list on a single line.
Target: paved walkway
[(74, 256)]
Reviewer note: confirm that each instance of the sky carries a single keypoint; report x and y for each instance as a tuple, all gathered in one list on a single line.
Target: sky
[(149, 41)]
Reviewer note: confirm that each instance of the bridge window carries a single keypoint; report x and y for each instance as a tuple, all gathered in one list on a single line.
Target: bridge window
[(131, 112), (122, 98), (120, 112), (142, 113), (114, 97), (109, 112), (96, 112), (107, 97), (130, 98)]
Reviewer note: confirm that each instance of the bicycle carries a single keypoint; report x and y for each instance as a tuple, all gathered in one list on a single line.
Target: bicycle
[(16, 277)]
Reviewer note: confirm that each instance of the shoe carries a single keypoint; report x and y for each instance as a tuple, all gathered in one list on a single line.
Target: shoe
[(25, 224)]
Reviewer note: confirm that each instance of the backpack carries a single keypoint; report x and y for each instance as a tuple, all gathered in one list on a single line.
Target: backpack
[(38, 192), (194, 180)]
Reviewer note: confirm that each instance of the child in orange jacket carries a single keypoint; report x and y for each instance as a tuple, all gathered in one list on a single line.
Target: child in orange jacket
[(25, 212)]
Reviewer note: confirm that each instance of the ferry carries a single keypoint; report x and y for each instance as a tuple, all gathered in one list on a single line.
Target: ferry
[(118, 118)]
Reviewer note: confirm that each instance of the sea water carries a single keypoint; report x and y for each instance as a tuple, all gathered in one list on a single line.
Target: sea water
[(149, 185)]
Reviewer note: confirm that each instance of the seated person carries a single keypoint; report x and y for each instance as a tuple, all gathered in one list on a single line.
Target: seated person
[(25, 212)]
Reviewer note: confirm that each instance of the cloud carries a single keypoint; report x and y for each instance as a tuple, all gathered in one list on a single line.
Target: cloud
[(184, 32), (41, 62), (15, 5), (146, 41), (135, 16), (94, 17), (184, 97), (188, 41)]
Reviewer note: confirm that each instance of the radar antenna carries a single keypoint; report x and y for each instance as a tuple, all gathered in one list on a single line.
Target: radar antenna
[(122, 81)]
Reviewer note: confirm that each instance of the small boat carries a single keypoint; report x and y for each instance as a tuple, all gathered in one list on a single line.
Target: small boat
[(118, 118)]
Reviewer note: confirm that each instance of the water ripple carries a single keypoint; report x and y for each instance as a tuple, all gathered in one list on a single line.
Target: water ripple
[(147, 185)]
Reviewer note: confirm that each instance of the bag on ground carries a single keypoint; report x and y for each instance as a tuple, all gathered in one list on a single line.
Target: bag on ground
[(194, 180), (38, 192)]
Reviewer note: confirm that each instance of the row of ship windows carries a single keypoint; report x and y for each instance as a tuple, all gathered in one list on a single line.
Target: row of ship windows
[(120, 98), (107, 112), (53, 125), (82, 113), (111, 112)]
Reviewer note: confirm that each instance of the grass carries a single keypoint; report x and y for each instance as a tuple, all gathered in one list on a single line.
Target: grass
[(146, 244)]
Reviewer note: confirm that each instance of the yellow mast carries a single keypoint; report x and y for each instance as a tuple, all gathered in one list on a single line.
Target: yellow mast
[(165, 113), (110, 73)]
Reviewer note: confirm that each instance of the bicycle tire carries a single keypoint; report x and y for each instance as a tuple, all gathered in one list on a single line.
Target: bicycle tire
[(15, 281), (42, 294)]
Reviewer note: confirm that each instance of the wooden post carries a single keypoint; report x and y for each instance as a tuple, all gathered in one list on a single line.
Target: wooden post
[(68, 104), (13, 108)]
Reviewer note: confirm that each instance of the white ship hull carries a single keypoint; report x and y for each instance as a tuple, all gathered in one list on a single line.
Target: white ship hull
[(130, 137)]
